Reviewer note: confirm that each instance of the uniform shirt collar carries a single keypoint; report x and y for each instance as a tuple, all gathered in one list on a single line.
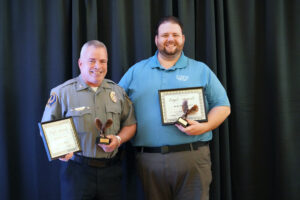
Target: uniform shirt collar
[(181, 62), (81, 85)]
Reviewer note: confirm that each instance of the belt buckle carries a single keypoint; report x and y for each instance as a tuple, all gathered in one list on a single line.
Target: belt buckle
[(95, 163), (164, 149)]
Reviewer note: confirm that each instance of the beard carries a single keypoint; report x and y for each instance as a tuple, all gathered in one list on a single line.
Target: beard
[(171, 51)]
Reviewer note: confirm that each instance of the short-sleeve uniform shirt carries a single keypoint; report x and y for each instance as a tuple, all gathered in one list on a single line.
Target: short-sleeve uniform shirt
[(76, 99)]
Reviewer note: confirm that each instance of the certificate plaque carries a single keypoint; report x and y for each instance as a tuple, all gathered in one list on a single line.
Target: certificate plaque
[(171, 104), (59, 137)]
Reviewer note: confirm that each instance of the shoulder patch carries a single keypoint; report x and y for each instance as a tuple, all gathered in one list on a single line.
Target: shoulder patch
[(52, 100)]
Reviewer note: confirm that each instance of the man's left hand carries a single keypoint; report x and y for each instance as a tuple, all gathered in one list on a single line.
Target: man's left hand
[(194, 128), (114, 144)]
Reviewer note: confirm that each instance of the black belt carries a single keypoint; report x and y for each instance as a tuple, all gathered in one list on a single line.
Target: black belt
[(172, 148), (96, 162)]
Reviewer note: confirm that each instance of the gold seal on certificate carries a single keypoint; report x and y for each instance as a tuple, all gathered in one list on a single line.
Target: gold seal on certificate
[(186, 111), (102, 139), (175, 101), (59, 137)]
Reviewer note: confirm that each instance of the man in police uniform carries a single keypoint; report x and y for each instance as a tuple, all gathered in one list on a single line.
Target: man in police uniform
[(95, 173)]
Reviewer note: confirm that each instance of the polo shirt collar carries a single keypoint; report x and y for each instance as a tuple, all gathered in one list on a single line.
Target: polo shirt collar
[(181, 62)]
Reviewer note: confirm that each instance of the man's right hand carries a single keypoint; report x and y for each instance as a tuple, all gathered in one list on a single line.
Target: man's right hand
[(66, 157)]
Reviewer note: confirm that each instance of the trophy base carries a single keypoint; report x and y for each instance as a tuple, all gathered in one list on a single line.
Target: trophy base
[(182, 122), (103, 140)]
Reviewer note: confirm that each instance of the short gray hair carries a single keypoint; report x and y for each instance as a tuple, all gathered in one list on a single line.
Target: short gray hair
[(94, 43)]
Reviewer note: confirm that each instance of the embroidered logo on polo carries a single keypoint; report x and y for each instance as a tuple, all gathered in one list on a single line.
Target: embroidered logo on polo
[(182, 77), (52, 99)]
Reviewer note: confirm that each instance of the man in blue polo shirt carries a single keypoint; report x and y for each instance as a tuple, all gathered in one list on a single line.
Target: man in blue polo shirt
[(183, 171)]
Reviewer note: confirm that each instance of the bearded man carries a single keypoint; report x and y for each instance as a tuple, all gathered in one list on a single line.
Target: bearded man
[(173, 161)]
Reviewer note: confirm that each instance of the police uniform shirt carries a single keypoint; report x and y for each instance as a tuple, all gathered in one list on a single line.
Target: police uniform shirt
[(76, 99)]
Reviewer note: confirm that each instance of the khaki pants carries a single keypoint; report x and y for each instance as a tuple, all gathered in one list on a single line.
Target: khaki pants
[(176, 176)]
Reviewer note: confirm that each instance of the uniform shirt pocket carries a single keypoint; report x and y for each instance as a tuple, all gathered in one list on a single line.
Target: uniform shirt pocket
[(114, 112), (82, 117)]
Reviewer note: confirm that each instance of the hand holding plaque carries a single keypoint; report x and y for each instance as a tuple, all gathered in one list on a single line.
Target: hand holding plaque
[(186, 111), (102, 139), (172, 104), (60, 137)]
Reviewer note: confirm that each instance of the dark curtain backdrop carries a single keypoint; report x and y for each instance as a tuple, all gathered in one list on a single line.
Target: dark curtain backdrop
[(252, 46)]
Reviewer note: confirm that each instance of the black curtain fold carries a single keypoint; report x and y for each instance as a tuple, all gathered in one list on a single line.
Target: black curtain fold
[(252, 46)]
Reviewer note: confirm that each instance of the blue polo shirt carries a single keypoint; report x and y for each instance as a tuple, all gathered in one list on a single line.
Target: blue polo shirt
[(142, 82)]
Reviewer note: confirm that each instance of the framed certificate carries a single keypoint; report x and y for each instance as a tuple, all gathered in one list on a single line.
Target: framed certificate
[(59, 137), (171, 104)]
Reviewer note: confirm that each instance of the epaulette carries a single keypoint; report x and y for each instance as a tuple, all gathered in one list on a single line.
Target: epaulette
[(69, 82), (115, 86), (66, 83), (110, 81)]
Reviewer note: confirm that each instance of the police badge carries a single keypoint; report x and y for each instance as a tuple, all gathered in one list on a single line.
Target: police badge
[(102, 139), (113, 96)]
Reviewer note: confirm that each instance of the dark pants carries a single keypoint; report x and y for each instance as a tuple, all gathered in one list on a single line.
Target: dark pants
[(80, 181), (175, 176)]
